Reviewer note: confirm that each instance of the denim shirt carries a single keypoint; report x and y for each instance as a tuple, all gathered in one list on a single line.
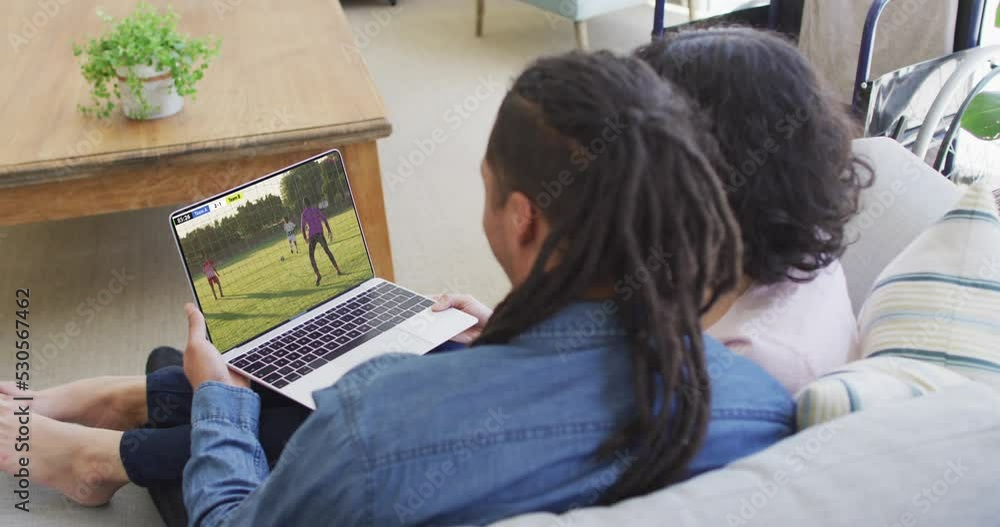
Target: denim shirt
[(465, 437)]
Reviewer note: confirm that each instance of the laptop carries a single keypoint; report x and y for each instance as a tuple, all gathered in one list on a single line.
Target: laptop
[(281, 271)]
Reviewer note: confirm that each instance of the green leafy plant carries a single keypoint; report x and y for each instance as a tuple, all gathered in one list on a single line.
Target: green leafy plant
[(144, 38), (982, 118)]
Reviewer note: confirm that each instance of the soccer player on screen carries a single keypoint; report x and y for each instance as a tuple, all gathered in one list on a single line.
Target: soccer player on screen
[(293, 243), (313, 221), (208, 267)]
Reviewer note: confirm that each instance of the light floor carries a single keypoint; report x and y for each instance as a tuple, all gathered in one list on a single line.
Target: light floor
[(105, 290)]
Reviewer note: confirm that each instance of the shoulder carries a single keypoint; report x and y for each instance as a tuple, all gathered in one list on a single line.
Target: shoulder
[(787, 326), (408, 405), (436, 378), (739, 383)]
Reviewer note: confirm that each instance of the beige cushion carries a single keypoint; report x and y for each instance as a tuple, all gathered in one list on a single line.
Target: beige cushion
[(926, 461), (907, 197)]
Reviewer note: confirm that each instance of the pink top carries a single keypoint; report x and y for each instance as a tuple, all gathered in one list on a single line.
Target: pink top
[(796, 332), (209, 268)]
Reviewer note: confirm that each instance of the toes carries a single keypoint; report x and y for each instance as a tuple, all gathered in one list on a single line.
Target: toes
[(6, 407), (9, 389)]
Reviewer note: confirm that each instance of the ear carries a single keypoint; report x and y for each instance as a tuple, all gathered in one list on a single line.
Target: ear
[(525, 216)]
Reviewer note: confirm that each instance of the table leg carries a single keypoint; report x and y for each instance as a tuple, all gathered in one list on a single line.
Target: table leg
[(366, 184), (582, 40), (480, 13)]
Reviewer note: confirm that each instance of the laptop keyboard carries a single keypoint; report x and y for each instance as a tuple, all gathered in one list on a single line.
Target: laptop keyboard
[(292, 355)]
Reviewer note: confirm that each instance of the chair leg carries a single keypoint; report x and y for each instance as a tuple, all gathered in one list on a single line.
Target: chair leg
[(582, 41), (480, 10)]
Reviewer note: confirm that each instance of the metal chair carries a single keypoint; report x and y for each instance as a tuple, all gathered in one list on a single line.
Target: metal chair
[(921, 105), (967, 35)]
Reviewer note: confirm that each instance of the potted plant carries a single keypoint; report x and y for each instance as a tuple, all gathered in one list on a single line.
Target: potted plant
[(143, 62)]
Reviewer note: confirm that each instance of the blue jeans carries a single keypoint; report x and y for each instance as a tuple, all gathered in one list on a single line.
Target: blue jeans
[(155, 454)]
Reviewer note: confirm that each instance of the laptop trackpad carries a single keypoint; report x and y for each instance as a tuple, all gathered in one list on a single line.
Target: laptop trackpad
[(396, 340), (417, 335)]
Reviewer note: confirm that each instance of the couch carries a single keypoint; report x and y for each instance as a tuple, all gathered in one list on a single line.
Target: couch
[(930, 461), (927, 461)]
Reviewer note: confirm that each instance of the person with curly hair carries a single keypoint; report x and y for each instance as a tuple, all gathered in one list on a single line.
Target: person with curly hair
[(793, 183)]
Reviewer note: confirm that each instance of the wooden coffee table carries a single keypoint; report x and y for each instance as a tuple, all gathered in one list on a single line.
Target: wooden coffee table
[(288, 83)]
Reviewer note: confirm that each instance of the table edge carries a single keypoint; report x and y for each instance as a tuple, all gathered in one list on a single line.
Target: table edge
[(55, 170)]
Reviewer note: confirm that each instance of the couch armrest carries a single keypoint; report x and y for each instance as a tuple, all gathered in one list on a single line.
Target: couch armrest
[(926, 461)]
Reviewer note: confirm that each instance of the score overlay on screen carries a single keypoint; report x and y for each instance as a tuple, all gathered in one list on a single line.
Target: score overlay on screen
[(205, 209)]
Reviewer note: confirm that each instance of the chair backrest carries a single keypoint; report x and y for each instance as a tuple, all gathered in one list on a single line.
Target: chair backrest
[(899, 101), (832, 32)]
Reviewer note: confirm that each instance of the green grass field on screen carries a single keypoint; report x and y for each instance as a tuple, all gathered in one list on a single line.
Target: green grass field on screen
[(261, 289)]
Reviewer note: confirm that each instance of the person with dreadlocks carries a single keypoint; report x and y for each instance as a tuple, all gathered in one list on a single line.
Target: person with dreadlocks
[(793, 183), (603, 207)]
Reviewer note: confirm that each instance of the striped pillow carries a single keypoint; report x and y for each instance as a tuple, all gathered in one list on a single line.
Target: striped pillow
[(939, 300), (932, 319), (868, 383)]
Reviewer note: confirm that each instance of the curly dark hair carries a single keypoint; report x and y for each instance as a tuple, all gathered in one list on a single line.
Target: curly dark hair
[(793, 181)]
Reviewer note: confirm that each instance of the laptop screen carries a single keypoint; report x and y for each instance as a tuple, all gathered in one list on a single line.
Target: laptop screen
[(272, 249)]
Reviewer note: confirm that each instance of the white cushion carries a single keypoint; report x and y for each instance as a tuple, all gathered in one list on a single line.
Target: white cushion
[(927, 461), (906, 198)]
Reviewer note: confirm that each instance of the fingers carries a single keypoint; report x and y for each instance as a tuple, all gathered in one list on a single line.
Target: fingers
[(238, 379), (446, 300), (196, 323), (441, 302)]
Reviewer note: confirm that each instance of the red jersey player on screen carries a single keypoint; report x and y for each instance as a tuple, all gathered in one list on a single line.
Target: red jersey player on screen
[(208, 266)]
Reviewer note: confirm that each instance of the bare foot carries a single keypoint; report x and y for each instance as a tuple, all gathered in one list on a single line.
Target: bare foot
[(83, 463), (116, 403)]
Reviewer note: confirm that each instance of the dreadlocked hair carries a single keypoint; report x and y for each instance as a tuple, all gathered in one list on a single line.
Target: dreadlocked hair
[(620, 166)]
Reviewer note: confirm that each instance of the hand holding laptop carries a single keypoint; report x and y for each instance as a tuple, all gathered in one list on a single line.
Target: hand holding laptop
[(466, 304), (202, 362)]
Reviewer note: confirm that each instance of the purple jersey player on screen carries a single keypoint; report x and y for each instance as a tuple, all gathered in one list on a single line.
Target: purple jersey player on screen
[(312, 222)]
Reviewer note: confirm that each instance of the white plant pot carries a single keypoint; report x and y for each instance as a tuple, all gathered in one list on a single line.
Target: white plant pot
[(157, 87)]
